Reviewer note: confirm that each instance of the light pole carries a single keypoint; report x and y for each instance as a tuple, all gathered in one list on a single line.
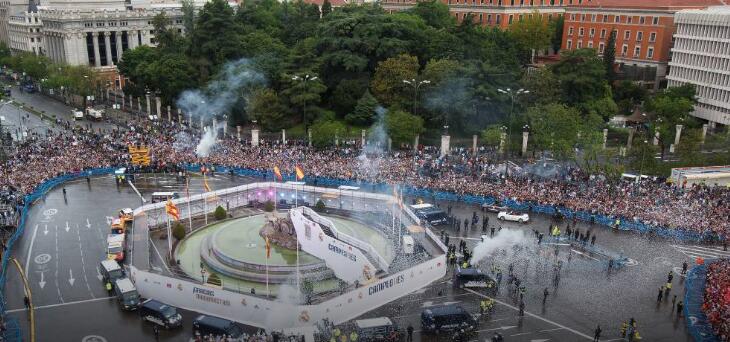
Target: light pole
[(512, 94), (415, 84), (304, 79), (641, 166)]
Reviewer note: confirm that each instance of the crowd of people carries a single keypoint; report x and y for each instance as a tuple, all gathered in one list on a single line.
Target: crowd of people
[(697, 208), (717, 298)]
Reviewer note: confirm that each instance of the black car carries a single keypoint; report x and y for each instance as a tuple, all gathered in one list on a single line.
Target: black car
[(452, 317), (205, 325), (160, 314)]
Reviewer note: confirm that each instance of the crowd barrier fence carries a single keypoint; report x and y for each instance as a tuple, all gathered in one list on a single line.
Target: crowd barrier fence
[(697, 324)]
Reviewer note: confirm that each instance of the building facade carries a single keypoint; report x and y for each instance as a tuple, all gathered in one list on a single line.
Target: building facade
[(495, 13), (643, 32), (701, 56)]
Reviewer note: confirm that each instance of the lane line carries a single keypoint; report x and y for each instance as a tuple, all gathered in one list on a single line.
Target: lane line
[(30, 249), (137, 191), (533, 315), (58, 287), (61, 304), (83, 262), (159, 255)]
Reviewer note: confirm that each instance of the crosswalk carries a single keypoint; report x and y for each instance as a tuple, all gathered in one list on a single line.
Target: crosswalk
[(705, 252)]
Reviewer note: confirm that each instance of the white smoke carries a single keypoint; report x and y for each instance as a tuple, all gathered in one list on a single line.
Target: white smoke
[(377, 140), (504, 239), (205, 144)]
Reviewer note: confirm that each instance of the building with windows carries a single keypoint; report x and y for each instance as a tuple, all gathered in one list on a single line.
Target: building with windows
[(701, 56), (643, 32), (496, 13)]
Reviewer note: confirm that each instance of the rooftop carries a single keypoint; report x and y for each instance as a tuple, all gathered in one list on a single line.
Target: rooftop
[(674, 5)]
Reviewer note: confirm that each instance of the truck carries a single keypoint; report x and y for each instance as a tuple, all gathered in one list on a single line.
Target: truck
[(94, 114), (77, 114)]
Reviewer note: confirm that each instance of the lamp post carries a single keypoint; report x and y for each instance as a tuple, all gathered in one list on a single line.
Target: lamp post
[(415, 84), (641, 166), (512, 94), (304, 79)]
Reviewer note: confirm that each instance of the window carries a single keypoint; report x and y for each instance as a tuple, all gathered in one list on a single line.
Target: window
[(637, 51), (650, 53), (617, 19), (510, 19), (627, 35), (629, 19), (593, 18), (32, 39), (652, 37), (605, 18), (600, 48), (489, 18), (582, 17), (641, 20), (639, 36), (580, 32), (499, 19), (572, 17), (590, 44), (592, 33), (603, 33), (579, 45), (655, 20), (570, 31), (569, 45), (481, 18), (624, 50)]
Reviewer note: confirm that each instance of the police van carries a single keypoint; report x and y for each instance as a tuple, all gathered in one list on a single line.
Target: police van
[(378, 329), (110, 271), (430, 213), (126, 294), (473, 278), (204, 325), (451, 317), (160, 314)]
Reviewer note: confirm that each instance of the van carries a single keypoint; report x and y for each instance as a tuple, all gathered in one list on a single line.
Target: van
[(126, 294), (110, 271), (378, 329), (430, 214), (452, 317), (205, 325), (160, 314)]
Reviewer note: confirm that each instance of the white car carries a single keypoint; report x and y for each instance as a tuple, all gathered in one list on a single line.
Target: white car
[(513, 216)]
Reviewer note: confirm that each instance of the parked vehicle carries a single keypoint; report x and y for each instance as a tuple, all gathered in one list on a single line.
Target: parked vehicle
[(205, 325), (160, 313), (378, 329), (94, 114), (430, 213), (126, 294), (110, 271), (77, 114), (451, 317)]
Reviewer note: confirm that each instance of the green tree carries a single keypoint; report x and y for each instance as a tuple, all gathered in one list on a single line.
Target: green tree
[(609, 57), (581, 75), (554, 128), (346, 95), (543, 85), (269, 206), (556, 26), (213, 41), (4, 54), (320, 206), (134, 65), (364, 112), (324, 132), (303, 96), (492, 135), (403, 127), (435, 13), (628, 95), (326, 8), (170, 75), (533, 32), (178, 231), (387, 84), (441, 70), (188, 10), (267, 109), (219, 213)]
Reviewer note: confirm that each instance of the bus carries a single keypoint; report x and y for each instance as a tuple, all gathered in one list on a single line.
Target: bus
[(430, 213), (474, 278), (163, 196)]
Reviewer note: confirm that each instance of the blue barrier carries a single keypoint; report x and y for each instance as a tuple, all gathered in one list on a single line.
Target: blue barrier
[(697, 324)]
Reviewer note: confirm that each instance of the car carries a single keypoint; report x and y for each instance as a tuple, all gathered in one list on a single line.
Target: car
[(160, 313), (513, 216), (29, 88), (494, 208), (205, 325), (452, 317)]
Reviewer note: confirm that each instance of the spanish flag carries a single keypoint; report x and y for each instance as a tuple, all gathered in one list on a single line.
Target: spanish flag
[(268, 248), (299, 172), (277, 173), (171, 210)]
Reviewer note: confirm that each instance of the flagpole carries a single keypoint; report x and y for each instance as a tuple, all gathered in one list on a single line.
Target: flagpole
[(169, 236), (190, 212), (267, 276)]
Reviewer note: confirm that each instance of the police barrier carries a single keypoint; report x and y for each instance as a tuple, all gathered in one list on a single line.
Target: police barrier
[(697, 324)]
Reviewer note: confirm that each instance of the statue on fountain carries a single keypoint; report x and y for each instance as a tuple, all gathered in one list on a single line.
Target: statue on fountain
[(280, 231)]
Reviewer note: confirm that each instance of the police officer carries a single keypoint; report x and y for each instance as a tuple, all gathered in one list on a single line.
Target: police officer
[(109, 287), (156, 331), (353, 336), (409, 330)]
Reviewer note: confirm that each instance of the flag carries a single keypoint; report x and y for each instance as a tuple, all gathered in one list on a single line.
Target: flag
[(268, 248), (277, 173), (205, 184), (299, 172), (171, 210)]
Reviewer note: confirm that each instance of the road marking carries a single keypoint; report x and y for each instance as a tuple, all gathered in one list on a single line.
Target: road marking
[(58, 288), (42, 283), (61, 304), (584, 254), (546, 330), (83, 262), (30, 248), (137, 191), (71, 279), (520, 334), (702, 251), (499, 328), (45, 230), (88, 224), (67, 227), (532, 315)]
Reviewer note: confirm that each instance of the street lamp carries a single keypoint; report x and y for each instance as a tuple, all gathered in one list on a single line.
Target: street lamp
[(512, 94), (304, 79), (641, 166), (415, 86)]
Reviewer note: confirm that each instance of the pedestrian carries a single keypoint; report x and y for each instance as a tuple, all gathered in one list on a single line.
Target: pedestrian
[(410, 333), (593, 240), (680, 306), (545, 294), (597, 334), (660, 295), (684, 267), (156, 330), (491, 233), (522, 308), (674, 300), (26, 301)]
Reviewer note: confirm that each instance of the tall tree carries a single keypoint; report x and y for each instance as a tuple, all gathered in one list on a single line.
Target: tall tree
[(556, 25), (326, 8), (214, 39), (364, 112), (581, 75), (188, 9), (387, 84), (435, 13), (532, 32), (267, 109), (554, 128), (609, 57), (402, 126)]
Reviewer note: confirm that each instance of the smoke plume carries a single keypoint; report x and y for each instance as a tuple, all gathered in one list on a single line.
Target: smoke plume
[(504, 239)]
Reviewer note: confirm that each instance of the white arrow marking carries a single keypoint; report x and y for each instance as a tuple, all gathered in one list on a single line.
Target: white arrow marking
[(98, 274), (88, 225), (71, 277), (42, 283), (543, 340), (508, 327), (45, 230), (67, 227)]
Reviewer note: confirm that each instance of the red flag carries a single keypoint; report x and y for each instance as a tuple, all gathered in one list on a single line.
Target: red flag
[(277, 173), (171, 210), (299, 172)]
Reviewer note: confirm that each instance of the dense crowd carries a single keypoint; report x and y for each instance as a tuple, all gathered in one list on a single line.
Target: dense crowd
[(717, 298), (698, 208)]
